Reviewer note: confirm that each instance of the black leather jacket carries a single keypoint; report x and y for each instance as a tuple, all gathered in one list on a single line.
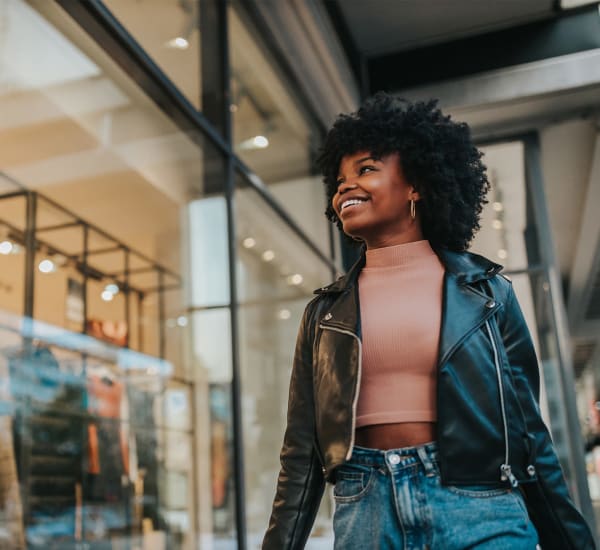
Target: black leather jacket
[(489, 428)]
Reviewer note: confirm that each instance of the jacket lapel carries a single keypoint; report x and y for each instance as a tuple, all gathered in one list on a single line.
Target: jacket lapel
[(463, 310)]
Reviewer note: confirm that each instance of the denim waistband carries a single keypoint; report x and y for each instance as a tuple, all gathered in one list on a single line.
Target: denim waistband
[(427, 454)]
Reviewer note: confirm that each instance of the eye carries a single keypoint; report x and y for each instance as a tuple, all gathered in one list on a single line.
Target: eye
[(362, 170)]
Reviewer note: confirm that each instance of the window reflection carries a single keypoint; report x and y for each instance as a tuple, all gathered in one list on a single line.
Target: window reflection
[(277, 274)]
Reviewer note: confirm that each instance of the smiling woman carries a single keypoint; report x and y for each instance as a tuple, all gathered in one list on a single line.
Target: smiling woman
[(415, 384)]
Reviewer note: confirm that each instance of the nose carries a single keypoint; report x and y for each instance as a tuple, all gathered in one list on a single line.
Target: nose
[(346, 186)]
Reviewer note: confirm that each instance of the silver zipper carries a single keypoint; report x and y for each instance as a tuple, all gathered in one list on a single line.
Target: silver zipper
[(505, 468), (355, 400)]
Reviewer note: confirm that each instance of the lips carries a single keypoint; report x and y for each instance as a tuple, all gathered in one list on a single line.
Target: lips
[(350, 203)]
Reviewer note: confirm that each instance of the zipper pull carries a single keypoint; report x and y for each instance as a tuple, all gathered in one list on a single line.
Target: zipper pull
[(506, 474)]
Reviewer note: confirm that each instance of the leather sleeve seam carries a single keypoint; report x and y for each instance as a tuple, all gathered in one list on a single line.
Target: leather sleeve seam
[(302, 500)]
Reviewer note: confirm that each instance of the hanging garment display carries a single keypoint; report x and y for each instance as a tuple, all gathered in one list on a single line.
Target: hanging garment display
[(48, 439), (106, 488), (141, 413), (11, 513)]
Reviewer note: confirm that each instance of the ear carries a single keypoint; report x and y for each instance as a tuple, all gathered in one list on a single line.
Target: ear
[(413, 195)]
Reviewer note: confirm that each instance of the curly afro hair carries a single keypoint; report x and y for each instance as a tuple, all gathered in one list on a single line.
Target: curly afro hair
[(437, 155)]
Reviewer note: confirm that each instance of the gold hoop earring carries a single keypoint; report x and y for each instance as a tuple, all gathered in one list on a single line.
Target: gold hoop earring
[(413, 210)]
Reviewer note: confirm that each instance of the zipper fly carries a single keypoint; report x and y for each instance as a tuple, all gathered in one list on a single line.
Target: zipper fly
[(356, 389), (505, 468)]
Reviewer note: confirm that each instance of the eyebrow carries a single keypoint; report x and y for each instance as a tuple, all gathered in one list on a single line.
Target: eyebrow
[(356, 162)]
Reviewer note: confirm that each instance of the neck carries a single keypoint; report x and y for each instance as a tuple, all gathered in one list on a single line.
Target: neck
[(411, 234)]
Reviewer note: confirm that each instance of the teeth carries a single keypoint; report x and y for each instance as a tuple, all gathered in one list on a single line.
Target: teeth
[(350, 202)]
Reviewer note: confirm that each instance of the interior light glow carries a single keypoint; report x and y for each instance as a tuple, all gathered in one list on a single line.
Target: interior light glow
[(182, 321), (112, 288), (497, 206), (249, 242), (47, 266), (179, 43), (268, 255), (284, 314), (253, 143), (497, 224), (295, 279), (107, 296), (502, 254), (6, 247), (260, 142)]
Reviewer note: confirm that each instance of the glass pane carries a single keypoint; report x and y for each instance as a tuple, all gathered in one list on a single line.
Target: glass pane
[(504, 220), (277, 274), (169, 32), (271, 133), (108, 395)]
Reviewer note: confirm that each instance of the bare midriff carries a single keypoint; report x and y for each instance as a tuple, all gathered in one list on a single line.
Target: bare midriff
[(395, 436)]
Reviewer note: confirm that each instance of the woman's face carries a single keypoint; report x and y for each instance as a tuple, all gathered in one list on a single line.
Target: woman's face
[(373, 200)]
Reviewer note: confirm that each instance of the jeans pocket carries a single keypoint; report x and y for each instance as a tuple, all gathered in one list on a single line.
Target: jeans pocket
[(351, 484), (478, 491)]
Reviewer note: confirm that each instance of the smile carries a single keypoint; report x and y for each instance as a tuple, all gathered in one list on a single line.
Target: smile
[(350, 203)]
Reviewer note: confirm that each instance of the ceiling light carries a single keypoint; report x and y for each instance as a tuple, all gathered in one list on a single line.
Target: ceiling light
[(182, 321), (268, 255), (497, 224), (6, 247), (295, 279), (260, 142), (284, 314), (107, 296), (178, 43), (256, 142), (249, 242), (47, 266), (112, 288), (502, 254), (497, 206)]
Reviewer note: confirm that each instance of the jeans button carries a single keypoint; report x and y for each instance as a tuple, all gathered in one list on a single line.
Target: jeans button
[(394, 459)]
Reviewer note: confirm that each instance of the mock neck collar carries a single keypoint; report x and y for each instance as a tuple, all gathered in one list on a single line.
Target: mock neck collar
[(398, 255), (466, 267)]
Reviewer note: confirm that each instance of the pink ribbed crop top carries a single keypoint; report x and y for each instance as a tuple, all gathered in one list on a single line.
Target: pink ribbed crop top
[(400, 293)]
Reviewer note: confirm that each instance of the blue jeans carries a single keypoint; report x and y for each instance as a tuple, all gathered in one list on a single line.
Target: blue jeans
[(394, 500)]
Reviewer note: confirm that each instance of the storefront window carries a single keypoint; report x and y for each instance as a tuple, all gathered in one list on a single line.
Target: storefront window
[(110, 419), (169, 32), (277, 274), (271, 134)]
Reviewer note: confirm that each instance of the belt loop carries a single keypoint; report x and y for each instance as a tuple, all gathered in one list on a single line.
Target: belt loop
[(427, 462)]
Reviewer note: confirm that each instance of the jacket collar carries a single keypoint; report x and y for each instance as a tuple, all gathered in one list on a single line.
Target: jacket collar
[(460, 299), (466, 267)]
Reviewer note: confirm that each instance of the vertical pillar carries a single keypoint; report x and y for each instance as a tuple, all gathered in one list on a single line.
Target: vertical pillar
[(215, 73), (30, 250), (564, 386)]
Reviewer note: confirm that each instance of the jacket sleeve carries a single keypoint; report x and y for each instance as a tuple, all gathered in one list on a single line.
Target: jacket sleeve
[(300, 484), (559, 524)]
